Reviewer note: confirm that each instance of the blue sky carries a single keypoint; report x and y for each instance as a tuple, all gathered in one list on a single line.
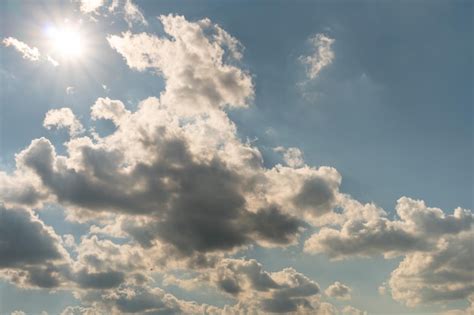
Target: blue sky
[(391, 112)]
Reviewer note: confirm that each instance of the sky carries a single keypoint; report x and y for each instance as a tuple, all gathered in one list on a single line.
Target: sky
[(236, 157)]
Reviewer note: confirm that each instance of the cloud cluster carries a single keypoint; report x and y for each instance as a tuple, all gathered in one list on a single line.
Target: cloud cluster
[(185, 180), (175, 183), (437, 248), (174, 187)]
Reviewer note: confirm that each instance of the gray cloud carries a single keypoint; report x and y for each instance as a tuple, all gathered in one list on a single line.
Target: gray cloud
[(30, 252)]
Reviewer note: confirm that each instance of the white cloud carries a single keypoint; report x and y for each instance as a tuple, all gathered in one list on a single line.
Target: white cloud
[(443, 274), (418, 229), (63, 118), (70, 90), (339, 291), (105, 108), (90, 6), (191, 63), (321, 57), (30, 53)]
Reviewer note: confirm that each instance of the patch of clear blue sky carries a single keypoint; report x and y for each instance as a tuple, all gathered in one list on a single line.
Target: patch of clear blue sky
[(393, 112)]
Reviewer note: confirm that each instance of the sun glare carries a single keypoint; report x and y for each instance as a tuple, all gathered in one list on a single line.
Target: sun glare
[(66, 42)]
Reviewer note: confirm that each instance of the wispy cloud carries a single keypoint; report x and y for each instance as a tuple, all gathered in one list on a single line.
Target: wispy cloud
[(321, 56), (30, 53)]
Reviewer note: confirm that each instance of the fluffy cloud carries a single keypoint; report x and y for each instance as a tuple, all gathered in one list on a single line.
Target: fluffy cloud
[(444, 274), (178, 187), (192, 63), (321, 57), (63, 118), (418, 229), (437, 248), (274, 292), (339, 291), (105, 108), (30, 53), (182, 179)]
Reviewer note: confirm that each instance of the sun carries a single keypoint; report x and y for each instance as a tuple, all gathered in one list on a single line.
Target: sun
[(65, 42)]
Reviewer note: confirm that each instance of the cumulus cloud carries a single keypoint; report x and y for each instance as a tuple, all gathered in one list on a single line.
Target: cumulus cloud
[(179, 188), (418, 229), (105, 108), (443, 274), (436, 248), (293, 157), (246, 280), (192, 63), (152, 168), (30, 53), (63, 118), (339, 291), (321, 57)]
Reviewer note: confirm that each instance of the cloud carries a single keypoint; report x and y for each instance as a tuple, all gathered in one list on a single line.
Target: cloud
[(30, 252), (191, 63), (436, 248), (443, 274), (30, 53), (246, 280), (177, 187), (78, 310), (418, 229), (293, 157), (90, 6), (321, 57), (339, 291), (63, 118), (105, 108), (70, 90), (133, 14), (468, 311)]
